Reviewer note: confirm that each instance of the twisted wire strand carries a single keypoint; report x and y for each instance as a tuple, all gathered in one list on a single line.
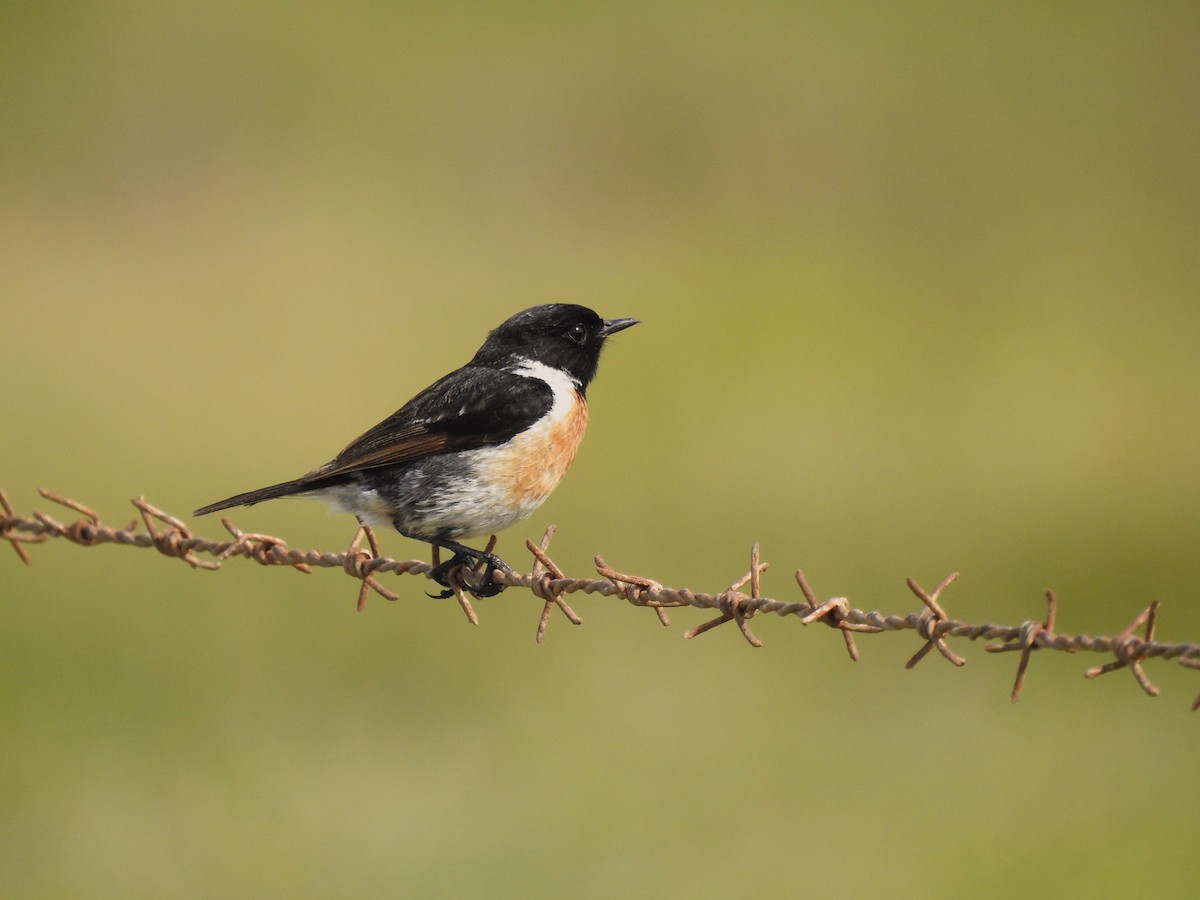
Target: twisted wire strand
[(171, 537)]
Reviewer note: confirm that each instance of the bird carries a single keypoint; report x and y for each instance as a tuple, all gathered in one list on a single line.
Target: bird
[(478, 450)]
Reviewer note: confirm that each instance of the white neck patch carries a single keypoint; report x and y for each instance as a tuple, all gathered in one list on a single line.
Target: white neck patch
[(560, 382)]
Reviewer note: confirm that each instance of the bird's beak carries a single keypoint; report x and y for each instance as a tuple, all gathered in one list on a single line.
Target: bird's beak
[(612, 326)]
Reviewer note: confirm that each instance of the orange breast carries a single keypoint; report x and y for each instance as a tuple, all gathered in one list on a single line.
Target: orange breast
[(538, 458)]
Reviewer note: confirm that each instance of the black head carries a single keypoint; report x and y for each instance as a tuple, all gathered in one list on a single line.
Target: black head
[(560, 335)]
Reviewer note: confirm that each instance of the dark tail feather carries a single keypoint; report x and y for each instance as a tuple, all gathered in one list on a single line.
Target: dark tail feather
[(251, 497)]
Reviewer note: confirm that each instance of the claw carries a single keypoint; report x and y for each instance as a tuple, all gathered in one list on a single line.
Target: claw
[(466, 557)]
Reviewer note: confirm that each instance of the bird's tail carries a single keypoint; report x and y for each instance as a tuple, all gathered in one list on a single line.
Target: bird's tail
[(249, 498)]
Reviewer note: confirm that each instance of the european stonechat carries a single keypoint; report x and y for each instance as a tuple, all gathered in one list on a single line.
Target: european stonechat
[(477, 450)]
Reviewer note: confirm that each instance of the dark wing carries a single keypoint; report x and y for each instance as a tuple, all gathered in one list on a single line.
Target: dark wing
[(469, 408)]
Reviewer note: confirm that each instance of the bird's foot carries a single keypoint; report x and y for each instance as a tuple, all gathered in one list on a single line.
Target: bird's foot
[(467, 559)]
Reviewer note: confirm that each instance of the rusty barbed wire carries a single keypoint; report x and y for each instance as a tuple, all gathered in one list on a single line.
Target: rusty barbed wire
[(546, 581)]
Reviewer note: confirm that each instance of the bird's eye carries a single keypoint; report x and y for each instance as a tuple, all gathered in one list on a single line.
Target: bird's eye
[(577, 333)]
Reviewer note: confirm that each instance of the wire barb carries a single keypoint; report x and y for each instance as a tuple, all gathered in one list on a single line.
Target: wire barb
[(175, 541), (637, 590), (833, 613), (1031, 632), (931, 623), (265, 549), (8, 533), (1125, 647), (733, 603), (171, 537), (458, 587), (545, 573), (358, 565)]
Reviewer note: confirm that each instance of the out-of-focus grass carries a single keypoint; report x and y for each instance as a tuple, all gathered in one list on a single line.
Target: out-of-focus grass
[(919, 292)]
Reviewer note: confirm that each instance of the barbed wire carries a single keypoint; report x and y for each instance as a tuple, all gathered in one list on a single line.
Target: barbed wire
[(546, 581)]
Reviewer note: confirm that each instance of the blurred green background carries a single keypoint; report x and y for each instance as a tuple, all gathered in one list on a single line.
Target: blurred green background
[(920, 286)]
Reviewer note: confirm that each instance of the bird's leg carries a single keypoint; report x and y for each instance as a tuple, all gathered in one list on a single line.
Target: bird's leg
[(464, 556)]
